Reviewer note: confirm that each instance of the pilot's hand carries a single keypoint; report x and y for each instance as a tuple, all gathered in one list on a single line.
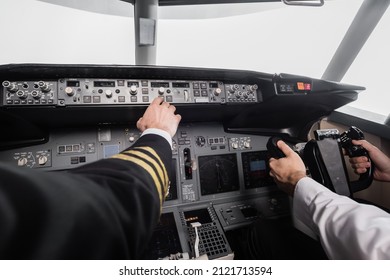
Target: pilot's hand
[(160, 115), (381, 161), (287, 171)]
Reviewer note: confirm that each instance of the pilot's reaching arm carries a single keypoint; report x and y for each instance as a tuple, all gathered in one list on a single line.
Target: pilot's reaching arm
[(103, 210), (347, 229)]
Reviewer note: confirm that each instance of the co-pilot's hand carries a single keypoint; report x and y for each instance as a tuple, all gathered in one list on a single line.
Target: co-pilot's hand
[(381, 161), (287, 171), (160, 114)]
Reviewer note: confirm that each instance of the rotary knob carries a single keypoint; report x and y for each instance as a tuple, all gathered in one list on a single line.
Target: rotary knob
[(42, 160), (69, 91), (161, 90), (238, 94), (12, 87), (44, 86), (36, 94), (217, 91), (235, 145), (253, 87), (133, 90), (22, 161), (108, 93), (21, 94)]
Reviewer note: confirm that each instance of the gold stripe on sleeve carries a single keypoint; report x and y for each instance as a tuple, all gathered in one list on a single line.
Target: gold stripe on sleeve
[(153, 152), (148, 169), (150, 161)]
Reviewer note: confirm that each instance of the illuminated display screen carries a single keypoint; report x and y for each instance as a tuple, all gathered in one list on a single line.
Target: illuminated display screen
[(200, 215), (256, 170), (218, 174), (258, 166)]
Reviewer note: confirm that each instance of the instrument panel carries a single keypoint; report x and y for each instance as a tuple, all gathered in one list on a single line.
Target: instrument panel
[(223, 176)]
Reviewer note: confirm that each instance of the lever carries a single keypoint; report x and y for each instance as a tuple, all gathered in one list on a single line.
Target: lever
[(273, 148), (187, 164)]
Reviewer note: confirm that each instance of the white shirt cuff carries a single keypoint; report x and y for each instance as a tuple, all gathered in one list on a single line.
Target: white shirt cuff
[(160, 132)]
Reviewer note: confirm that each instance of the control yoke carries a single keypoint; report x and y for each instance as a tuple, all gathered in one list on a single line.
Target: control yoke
[(354, 133), (324, 159)]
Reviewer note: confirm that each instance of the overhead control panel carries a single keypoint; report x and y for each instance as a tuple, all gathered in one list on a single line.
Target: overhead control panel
[(86, 92), (244, 101)]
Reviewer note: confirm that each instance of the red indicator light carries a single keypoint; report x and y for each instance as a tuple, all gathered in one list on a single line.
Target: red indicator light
[(307, 86)]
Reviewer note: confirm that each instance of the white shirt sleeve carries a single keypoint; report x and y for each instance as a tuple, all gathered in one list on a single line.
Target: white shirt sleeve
[(160, 132), (347, 229)]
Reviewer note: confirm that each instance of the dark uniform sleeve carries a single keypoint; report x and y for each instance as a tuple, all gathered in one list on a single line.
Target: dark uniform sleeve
[(103, 210)]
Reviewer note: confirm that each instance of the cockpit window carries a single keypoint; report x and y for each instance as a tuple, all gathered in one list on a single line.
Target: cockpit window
[(370, 69), (266, 37)]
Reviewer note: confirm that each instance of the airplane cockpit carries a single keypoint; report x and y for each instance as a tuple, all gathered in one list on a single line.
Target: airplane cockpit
[(59, 114)]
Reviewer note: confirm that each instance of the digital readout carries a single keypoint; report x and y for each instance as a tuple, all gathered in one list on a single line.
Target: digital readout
[(72, 83), (132, 83), (159, 84), (180, 85), (104, 83)]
